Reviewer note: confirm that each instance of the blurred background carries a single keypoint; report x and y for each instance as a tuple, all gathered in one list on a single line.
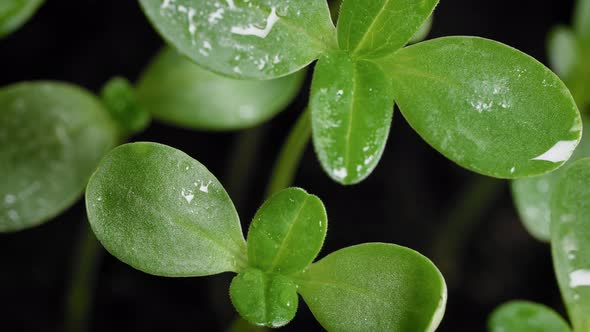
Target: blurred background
[(416, 198)]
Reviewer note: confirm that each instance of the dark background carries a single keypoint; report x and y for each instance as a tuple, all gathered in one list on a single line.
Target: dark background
[(406, 200)]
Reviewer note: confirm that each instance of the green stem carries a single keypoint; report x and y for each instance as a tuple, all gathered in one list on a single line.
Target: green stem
[(288, 161), (460, 222), (80, 294)]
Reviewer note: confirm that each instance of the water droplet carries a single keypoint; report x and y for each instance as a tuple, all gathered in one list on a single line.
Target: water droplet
[(252, 30)]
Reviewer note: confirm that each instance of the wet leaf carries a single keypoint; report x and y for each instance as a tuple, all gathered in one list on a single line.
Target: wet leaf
[(177, 91), (375, 28), (287, 232), (351, 107), (486, 106), (263, 298), (15, 13), (162, 212), (522, 316), (532, 196), (52, 137), (570, 241), (374, 287), (246, 39)]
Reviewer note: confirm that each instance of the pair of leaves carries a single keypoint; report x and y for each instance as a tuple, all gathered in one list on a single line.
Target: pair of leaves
[(15, 13), (52, 137), (177, 91), (162, 212), (570, 245), (486, 106)]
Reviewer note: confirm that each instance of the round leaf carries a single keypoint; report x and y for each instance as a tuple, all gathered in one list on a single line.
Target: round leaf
[(522, 316), (162, 212), (287, 232), (15, 13), (264, 299), (177, 91), (570, 241), (351, 108), (52, 137), (242, 38), (375, 287), (532, 195), (375, 28), (486, 106)]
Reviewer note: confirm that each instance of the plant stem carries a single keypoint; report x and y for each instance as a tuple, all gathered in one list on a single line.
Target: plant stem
[(288, 161), (80, 294), (460, 222)]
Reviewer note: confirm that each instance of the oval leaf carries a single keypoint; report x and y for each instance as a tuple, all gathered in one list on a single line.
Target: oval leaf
[(162, 212), (486, 106), (15, 13), (177, 91), (52, 137), (287, 232), (351, 108), (562, 51), (570, 241), (532, 196), (522, 316), (375, 28), (246, 39), (374, 287), (264, 299)]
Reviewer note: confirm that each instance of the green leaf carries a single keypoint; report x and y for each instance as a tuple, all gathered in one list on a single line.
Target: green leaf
[(120, 99), (562, 51), (15, 13), (264, 299), (177, 91), (162, 212), (423, 32), (258, 39), (570, 241), (486, 106), (52, 137), (532, 196), (351, 107), (374, 28), (582, 21), (523, 316), (374, 287), (287, 232)]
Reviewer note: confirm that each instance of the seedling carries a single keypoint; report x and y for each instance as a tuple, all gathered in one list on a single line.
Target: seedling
[(570, 246), (484, 105), (162, 212)]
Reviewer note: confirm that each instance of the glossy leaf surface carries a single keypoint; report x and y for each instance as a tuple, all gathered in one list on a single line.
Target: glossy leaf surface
[(570, 241), (374, 28), (177, 91), (532, 196), (259, 39), (263, 298), (52, 137), (15, 13), (374, 287), (522, 316), (562, 51), (287, 232), (351, 108), (162, 212), (486, 106)]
